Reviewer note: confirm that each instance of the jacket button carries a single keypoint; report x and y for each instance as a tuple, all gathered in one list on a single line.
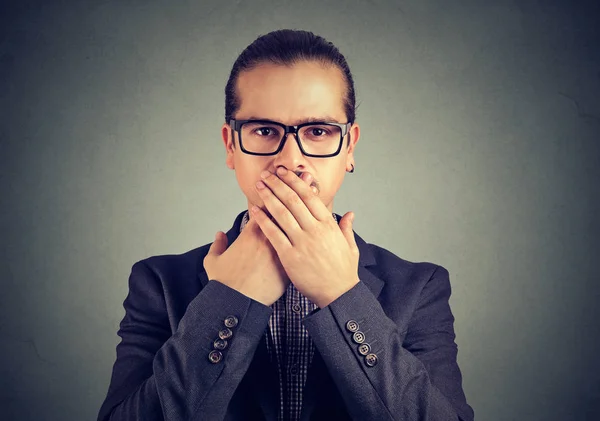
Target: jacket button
[(364, 349), (352, 326), (231, 321), (225, 333), (220, 344), (371, 360), (215, 356), (358, 337)]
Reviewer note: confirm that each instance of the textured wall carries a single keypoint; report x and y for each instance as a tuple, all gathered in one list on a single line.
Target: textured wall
[(479, 151)]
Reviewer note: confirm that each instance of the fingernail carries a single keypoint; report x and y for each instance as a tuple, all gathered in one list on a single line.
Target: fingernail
[(308, 178), (282, 171)]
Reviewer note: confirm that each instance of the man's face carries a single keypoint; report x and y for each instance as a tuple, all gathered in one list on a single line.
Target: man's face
[(290, 95)]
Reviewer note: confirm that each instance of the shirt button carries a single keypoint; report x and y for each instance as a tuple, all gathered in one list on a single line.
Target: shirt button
[(231, 321), (296, 308), (294, 370), (358, 337), (215, 356), (225, 333), (364, 349), (371, 360), (220, 344), (352, 326)]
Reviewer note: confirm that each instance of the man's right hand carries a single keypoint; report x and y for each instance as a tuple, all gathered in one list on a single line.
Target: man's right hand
[(250, 266)]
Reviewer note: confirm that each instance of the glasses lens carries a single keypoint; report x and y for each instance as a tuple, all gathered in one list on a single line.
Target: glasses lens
[(261, 137), (318, 139)]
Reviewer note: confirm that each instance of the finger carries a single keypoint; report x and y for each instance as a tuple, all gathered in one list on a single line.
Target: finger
[(279, 213), (308, 179), (298, 197), (346, 225), (219, 245), (252, 226), (308, 196), (274, 234)]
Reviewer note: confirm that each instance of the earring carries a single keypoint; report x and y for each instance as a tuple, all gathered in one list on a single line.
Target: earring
[(352, 170)]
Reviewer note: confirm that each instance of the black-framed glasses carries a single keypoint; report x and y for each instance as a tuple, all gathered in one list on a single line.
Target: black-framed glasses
[(318, 139)]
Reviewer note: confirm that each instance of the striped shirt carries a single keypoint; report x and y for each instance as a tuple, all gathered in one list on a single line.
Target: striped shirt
[(294, 348)]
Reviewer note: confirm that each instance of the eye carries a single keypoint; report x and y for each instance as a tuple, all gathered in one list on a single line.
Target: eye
[(265, 131), (315, 132)]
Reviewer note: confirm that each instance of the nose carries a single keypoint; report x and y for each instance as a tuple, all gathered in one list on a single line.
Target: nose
[(290, 155)]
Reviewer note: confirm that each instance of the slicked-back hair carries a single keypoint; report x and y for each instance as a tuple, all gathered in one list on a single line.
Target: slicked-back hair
[(287, 47)]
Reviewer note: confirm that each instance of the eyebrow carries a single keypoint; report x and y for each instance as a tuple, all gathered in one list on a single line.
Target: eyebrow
[(324, 119)]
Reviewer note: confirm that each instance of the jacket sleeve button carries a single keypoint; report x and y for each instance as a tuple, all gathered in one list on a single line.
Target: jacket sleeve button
[(231, 321), (220, 344), (215, 356), (364, 348), (358, 337), (225, 333), (371, 360), (352, 326)]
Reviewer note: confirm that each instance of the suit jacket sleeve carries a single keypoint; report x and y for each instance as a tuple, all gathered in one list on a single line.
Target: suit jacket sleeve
[(165, 375), (416, 376)]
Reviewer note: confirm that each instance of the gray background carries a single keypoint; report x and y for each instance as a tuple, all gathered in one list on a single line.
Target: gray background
[(479, 151)]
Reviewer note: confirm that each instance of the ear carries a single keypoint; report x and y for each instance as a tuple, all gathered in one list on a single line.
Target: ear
[(228, 141), (354, 134)]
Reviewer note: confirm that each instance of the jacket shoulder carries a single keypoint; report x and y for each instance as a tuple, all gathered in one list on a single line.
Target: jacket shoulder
[(168, 280), (414, 293), (389, 265), (167, 265)]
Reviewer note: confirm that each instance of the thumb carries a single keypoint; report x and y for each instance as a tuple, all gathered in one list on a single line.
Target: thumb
[(346, 226), (219, 245)]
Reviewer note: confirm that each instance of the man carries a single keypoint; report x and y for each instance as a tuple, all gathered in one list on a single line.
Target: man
[(290, 315)]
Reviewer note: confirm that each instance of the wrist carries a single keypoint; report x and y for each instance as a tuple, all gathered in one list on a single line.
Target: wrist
[(247, 293), (325, 300)]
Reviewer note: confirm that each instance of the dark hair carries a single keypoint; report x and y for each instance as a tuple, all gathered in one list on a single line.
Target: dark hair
[(287, 47)]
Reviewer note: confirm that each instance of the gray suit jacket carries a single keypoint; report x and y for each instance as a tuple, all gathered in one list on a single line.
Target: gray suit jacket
[(173, 315)]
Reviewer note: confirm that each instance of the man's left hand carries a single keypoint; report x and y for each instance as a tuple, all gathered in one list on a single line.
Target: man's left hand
[(319, 257)]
